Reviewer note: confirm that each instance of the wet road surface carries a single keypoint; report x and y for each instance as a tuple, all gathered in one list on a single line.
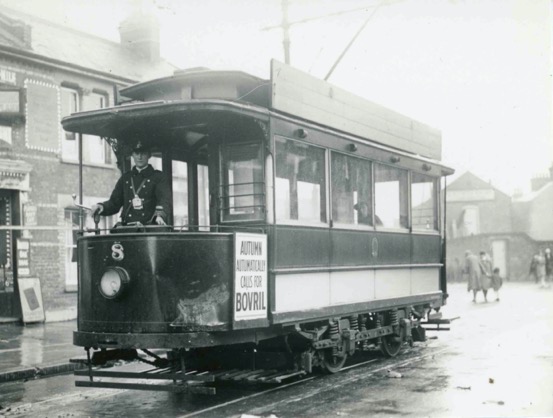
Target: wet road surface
[(496, 361)]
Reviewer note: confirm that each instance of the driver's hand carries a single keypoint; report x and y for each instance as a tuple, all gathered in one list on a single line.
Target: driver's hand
[(159, 220), (96, 209)]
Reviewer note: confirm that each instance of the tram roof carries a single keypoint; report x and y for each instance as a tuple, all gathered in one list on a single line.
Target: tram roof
[(300, 95), (152, 104)]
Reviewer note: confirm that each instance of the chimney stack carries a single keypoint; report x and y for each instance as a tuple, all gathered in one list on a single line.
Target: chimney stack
[(540, 180), (140, 33)]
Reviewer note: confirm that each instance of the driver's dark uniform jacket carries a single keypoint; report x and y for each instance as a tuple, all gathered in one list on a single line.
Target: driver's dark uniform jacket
[(150, 186)]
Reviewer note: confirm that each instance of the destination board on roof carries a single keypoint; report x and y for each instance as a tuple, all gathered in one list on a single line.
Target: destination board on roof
[(302, 95)]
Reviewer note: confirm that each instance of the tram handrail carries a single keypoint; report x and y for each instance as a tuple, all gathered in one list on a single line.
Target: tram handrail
[(174, 228)]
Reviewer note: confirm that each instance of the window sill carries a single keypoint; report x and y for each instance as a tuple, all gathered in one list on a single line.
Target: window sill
[(292, 222)]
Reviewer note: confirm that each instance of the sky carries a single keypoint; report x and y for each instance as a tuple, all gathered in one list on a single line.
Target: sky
[(478, 70)]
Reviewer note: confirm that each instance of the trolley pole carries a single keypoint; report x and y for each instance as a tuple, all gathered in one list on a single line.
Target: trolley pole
[(285, 32)]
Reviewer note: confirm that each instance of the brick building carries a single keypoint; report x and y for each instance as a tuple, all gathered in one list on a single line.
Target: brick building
[(48, 71), (511, 229)]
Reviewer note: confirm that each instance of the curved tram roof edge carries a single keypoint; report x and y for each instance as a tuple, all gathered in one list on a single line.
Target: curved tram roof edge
[(100, 122)]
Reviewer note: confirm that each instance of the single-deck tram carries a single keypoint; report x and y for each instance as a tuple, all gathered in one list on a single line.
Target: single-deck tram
[(304, 221)]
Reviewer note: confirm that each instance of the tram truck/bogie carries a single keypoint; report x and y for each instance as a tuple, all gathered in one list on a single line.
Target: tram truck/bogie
[(302, 217)]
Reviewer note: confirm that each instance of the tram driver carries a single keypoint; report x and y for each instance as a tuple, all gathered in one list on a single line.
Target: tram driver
[(142, 192)]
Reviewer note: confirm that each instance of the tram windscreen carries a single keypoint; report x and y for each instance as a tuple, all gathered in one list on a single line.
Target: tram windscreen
[(242, 191), (181, 210)]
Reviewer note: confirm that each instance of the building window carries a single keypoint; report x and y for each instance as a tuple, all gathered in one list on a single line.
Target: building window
[(423, 202), (351, 190), (300, 186), (95, 149), (391, 192), (69, 105)]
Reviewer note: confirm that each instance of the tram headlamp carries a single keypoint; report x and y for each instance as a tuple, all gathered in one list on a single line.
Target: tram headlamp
[(113, 282)]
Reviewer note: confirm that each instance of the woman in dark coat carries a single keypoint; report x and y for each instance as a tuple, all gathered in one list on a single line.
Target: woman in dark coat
[(472, 271)]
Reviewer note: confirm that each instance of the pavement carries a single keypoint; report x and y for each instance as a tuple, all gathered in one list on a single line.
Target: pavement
[(36, 350)]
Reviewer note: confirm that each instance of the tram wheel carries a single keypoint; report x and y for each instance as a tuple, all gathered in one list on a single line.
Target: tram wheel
[(389, 346), (333, 364)]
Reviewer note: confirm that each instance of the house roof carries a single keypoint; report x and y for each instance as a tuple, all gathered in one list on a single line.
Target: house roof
[(531, 213), (528, 197), (469, 181), (69, 46)]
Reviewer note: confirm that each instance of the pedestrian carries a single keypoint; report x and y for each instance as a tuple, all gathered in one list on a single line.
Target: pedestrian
[(142, 192), (548, 266), (497, 282), (533, 264), (540, 269), (472, 271), (486, 270)]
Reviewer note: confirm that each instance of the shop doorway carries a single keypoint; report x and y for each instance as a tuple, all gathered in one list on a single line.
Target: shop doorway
[(9, 216)]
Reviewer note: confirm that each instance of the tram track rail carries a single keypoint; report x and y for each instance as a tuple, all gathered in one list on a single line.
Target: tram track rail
[(246, 392)]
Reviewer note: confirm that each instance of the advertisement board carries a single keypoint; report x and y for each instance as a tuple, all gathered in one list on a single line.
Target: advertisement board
[(250, 276), (30, 295)]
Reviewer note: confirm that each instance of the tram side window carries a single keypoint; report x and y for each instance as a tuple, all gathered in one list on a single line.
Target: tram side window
[(351, 190), (423, 202), (300, 186), (242, 186), (390, 196)]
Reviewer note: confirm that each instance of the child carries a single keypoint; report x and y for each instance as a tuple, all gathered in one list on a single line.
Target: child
[(497, 282)]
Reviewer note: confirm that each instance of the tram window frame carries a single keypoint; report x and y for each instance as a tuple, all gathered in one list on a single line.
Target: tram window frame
[(382, 174), (431, 222), (353, 203), (252, 193), (294, 205)]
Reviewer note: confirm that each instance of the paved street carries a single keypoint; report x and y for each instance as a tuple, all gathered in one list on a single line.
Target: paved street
[(496, 361)]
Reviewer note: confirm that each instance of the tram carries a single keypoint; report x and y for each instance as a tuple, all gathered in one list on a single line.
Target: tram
[(303, 217)]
